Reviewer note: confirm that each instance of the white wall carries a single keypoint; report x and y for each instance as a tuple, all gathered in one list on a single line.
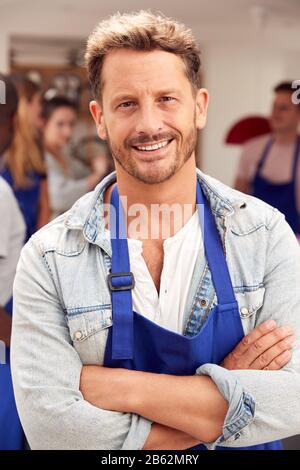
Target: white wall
[(240, 83), (242, 59)]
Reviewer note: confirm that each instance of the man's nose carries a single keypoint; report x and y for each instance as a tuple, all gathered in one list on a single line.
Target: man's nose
[(148, 119)]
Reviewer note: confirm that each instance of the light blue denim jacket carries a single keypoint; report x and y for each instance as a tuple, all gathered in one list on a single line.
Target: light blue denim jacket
[(62, 314)]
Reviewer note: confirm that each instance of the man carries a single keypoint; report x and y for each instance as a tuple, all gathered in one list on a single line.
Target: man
[(12, 234), (268, 167), (124, 310)]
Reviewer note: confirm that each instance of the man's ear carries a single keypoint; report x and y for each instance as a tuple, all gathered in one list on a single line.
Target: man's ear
[(202, 99), (97, 113)]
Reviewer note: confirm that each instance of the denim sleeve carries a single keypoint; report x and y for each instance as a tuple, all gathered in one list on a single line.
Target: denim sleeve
[(276, 393), (46, 372), (241, 404)]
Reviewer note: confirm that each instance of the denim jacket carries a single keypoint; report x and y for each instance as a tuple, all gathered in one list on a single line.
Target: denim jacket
[(62, 315)]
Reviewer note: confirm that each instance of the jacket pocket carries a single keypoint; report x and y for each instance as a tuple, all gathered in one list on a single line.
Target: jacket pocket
[(88, 330), (250, 303)]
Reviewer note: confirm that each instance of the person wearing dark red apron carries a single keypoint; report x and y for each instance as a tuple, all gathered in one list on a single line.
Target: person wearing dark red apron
[(134, 342), (279, 195)]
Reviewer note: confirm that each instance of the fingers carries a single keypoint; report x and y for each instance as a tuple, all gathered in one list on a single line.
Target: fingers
[(280, 361), (253, 336), (262, 344), (274, 354)]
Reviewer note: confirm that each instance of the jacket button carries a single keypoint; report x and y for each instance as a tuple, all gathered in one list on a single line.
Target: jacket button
[(203, 302), (244, 312), (78, 335)]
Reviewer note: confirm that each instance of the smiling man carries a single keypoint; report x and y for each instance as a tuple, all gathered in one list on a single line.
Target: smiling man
[(126, 340)]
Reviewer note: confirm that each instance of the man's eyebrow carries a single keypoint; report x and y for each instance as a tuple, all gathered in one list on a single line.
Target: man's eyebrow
[(122, 97), (168, 91), (127, 96)]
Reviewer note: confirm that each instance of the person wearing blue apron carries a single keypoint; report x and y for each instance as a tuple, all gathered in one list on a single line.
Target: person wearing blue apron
[(279, 195), (28, 199), (11, 432), (134, 342)]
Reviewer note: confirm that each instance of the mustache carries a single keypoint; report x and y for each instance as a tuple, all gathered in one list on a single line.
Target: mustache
[(150, 138)]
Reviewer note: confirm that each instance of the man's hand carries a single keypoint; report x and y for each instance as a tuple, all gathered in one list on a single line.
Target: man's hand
[(5, 326), (267, 347)]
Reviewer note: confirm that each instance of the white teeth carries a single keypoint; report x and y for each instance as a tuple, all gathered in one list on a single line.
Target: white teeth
[(154, 146)]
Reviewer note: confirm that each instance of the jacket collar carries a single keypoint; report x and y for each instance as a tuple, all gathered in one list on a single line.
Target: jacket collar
[(87, 214)]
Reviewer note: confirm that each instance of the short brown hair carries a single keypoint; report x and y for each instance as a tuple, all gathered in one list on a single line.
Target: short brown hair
[(286, 87), (143, 31)]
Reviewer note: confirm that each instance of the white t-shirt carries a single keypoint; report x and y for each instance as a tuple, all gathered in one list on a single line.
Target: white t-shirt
[(12, 234), (65, 189), (180, 254)]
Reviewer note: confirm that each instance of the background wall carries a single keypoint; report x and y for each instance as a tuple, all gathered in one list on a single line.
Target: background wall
[(248, 46)]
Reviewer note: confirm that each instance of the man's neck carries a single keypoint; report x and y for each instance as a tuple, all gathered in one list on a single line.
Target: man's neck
[(285, 138), (178, 192)]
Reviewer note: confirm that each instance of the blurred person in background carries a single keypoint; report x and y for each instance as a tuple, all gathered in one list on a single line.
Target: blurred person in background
[(12, 233), (68, 178), (268, 167), (23, 164)]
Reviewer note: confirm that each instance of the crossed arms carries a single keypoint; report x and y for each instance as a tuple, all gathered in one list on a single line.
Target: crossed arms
[(200, 407), (47, 372)]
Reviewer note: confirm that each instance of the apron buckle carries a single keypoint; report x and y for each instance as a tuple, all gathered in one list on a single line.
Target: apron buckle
[(121, 281)]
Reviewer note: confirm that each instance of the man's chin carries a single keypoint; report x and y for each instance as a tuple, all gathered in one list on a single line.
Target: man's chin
[(150, 173), (152, 177)]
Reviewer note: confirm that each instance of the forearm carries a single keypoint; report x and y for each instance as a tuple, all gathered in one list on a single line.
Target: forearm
[(5, 326), (165, 438), (200, 407)]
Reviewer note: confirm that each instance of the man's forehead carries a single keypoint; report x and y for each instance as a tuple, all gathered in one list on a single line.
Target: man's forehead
[(138, 56), (283, 96), (126, 67)]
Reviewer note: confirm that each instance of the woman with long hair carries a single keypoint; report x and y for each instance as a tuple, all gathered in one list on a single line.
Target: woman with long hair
[(68, 178), (24, 167)]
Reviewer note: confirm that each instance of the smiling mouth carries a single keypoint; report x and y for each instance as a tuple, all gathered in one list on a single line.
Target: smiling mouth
[(152, 147)]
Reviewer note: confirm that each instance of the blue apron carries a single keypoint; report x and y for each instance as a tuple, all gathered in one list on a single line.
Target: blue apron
[(28, 199), (11, 433), (136, 343), (282, 196)]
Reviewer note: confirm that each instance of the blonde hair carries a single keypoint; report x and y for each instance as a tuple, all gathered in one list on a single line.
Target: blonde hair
[(25, 153), (141, 31)]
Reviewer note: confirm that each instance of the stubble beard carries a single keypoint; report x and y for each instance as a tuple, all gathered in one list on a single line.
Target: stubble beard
[(155, 175)]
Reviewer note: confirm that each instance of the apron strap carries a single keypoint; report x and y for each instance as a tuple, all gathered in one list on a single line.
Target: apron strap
[(296, 158), (214, 253), (264, 155), (120, 282)]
